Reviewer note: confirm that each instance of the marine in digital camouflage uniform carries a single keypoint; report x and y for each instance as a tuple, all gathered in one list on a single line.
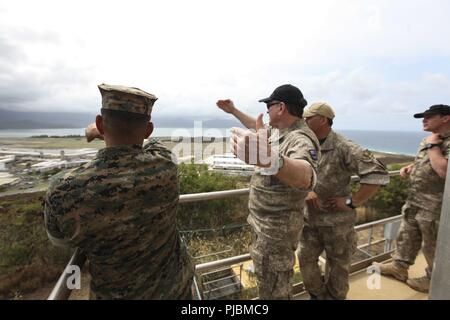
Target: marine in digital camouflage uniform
[(330, 215), (276, 202), (120, 208), (422, 210)]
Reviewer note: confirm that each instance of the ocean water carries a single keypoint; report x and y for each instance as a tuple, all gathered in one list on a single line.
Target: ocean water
[(386, 141)]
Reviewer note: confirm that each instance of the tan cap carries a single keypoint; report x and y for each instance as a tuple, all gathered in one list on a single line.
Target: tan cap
[(126, 99), (319, 109)]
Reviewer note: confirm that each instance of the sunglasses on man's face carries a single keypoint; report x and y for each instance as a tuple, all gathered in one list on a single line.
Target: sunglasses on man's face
[(272, 104), (430, 115)]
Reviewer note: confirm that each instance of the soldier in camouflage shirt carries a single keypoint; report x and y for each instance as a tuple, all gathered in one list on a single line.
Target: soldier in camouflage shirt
[(422, 210), (120, 208), (330, 215), (278, 187)]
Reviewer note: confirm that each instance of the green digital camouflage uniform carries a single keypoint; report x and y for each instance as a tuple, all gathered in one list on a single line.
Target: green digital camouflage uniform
[(422, 210), (333, 232), (120, 209), (276, 214)]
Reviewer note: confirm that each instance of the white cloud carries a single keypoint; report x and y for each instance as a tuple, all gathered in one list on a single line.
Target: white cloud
[(191, 53)]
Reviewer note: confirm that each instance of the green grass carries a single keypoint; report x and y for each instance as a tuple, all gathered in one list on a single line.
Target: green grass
[(27, 258), (16, 254), (31, 208)]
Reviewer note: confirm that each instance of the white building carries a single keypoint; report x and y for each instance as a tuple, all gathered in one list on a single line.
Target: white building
[(7, 179), (229, 163), (48, 165), (4, 160)]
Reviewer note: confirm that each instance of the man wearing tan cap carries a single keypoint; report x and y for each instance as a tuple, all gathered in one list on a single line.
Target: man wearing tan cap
[(120, 208), (330, 212)]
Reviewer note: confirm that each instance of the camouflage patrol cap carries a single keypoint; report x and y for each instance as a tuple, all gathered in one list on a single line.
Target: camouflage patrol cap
[(319, 109), (128, 99)]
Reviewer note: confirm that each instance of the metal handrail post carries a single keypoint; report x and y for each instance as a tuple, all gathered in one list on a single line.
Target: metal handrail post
[(61, 290), (440, 281)]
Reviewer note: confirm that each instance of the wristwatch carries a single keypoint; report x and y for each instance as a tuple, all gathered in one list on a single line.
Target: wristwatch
[(349, 203), (428, 146)]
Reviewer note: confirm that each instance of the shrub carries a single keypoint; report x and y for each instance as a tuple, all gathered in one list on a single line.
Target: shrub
[(389, 199), (27, 258), (209, 214), (15, 254)]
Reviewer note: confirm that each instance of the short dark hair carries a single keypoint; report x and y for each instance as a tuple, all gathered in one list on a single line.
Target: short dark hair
[(294, 110), (123, 122)]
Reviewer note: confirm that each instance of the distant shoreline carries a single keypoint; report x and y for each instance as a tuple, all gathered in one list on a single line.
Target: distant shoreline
[(79, 142), (394, 142), (389, 158)]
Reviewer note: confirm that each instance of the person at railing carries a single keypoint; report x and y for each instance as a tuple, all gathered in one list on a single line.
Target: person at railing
[(422, 210), (120, 208), (285, 172), (330, 214)]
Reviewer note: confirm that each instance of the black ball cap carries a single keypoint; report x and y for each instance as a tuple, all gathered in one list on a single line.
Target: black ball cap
[(441, 109), (287, 93)]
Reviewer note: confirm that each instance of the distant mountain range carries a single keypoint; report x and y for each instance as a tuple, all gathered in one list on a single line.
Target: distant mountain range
[(46, 120), (43, 120)]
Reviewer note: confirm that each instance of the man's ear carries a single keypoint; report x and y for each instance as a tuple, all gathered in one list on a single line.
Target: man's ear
[(282, 107), (149, 129), (99, 124), (446, 119)]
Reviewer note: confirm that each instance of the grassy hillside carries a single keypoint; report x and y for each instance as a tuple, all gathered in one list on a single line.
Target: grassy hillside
[(27, 259)]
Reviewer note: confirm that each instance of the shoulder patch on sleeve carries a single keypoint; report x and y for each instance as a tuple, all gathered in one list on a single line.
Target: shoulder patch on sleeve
[(313, 154)]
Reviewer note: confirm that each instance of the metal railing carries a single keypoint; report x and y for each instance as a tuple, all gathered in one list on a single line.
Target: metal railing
[(229, 262), (62, 292), (221, 286)]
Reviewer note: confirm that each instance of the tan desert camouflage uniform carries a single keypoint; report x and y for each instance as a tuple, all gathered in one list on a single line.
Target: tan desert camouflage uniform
[(333, 232), (422, 210), (276, 214)]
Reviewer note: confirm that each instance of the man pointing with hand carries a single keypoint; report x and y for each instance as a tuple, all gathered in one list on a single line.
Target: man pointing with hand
[(286, 154)]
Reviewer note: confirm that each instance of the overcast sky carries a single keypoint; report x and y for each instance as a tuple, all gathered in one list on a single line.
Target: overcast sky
[(375, 62)]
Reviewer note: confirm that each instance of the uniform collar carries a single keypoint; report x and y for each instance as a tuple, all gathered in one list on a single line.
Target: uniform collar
[(113, 152), (298, 124), (445, 135), (329, 142)]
